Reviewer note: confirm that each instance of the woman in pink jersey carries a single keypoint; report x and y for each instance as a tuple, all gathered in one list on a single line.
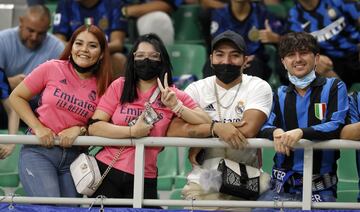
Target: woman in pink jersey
[(121, 114), (70, 90)]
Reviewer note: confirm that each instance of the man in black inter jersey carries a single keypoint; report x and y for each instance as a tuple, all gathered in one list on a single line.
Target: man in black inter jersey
[(335, 25), (311, 107)]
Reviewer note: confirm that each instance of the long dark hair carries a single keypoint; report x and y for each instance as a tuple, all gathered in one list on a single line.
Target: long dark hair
[(129, 93), (104, 73)]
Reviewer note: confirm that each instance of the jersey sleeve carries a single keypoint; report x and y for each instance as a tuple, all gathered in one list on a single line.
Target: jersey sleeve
[(261, 98), (192, 92), (111, 98), (36, 81), (354, 109)]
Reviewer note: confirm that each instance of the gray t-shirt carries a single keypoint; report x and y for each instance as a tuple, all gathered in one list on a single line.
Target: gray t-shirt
[(15, 58)]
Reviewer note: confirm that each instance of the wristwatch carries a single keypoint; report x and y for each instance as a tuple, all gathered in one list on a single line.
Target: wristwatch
[(83, 130)]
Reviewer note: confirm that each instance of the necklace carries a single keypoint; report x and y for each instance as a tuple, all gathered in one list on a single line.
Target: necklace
[(219, 105)]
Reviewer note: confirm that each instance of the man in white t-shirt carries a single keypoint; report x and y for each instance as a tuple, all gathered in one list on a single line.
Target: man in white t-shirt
[(238, 104)]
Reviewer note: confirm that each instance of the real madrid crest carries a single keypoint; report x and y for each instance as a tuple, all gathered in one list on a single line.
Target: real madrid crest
[(240, 107), (331, 12), (103, 23), (253, 34)]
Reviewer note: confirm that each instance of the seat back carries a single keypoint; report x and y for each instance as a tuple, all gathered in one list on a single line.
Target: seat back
[(187, 24), (187, 59)]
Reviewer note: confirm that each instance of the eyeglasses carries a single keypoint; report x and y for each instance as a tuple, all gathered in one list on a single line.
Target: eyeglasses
[(143, 55)]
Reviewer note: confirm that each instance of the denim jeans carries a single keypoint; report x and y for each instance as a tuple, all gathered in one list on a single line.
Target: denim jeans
[(271, 195), (45, 172)]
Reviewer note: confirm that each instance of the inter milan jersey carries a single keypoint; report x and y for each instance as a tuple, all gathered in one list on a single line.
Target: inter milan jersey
[(354, 110), (332, 22), (222, 19), (106, 14), (174, 3), (320, 114)]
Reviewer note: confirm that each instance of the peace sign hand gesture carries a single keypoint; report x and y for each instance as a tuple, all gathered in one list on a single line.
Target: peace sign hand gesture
[(168, 97)]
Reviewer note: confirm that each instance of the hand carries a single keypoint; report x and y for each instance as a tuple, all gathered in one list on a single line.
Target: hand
[(168, 97), (231, 135), (324, 65), (247, 63), (45, 135), (267, 35), (6, 150), (140, 128), (68, 136), (193, 152), (285, 141), (15, 80)]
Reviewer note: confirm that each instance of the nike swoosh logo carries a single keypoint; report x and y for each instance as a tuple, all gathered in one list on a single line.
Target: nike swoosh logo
[(305, 25)]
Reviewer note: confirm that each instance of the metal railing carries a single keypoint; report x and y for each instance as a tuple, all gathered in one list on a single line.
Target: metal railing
[(138, 201)]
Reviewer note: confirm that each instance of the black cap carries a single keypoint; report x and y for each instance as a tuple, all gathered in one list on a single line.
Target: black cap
[(232, 36)]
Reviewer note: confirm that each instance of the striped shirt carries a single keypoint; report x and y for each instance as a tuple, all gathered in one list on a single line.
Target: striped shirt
[(320, 114), (332, 22)]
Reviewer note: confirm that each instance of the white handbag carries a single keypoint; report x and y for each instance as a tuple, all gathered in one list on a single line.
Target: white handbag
[(86, 173)]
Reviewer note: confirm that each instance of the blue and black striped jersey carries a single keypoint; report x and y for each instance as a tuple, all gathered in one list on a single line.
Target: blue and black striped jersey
[(222, 19), (320, 113), (106, 14), (334, 23), (174, 3), (354, 108)]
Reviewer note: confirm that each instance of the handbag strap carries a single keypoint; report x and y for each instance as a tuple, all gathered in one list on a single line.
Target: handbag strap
[(116, 158), (154, 95), (243, 171)]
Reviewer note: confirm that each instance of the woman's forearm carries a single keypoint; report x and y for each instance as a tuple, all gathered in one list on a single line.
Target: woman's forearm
[(195, 116)]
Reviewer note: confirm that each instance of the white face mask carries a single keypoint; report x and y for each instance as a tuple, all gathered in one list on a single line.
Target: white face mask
[(304, 81)]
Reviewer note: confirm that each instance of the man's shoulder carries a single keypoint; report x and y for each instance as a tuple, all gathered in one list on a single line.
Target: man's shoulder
[(52, 42), (253, 82), (8, 33), (206, 82)]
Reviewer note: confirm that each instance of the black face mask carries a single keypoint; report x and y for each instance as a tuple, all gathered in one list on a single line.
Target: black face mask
[(147, 69), (227, 73), (91, 69)]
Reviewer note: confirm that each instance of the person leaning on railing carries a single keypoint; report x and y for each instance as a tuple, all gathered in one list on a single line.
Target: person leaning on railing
[(70, 90), (351, 131), (140, 104), (312, 108)]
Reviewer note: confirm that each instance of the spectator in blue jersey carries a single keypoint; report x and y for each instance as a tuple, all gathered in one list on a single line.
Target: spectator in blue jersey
[(335, 24), (256, 25), (106, 14), (205, 17), (153, 16), (311, 107), (351, 131), (21, 50)]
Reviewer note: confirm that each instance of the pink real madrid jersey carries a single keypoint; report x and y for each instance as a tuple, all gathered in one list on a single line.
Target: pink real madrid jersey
[(122, 114), (66, 99)]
